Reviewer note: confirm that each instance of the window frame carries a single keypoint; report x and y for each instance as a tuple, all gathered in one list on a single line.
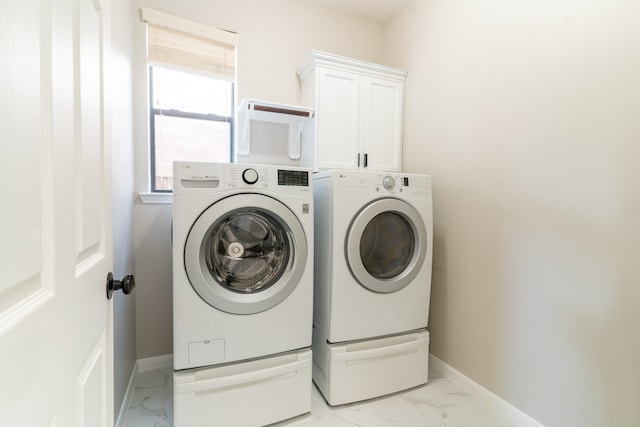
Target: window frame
[(187, 115), (193, 47)]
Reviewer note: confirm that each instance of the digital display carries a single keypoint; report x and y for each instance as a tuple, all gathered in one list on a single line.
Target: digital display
[(405, 181), (291, 177)]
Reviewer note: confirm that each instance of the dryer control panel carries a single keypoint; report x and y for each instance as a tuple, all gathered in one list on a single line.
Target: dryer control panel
[(415, 184), (407, 184), (367, 183)]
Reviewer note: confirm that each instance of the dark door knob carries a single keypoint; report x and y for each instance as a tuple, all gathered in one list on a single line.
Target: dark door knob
[(127, 284)]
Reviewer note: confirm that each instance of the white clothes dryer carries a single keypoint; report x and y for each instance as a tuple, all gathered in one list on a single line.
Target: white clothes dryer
[(242, 262), (373, 251), (372, 283)]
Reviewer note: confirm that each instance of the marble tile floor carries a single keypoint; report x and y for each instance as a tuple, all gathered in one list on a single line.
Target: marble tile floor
[(438, 403)]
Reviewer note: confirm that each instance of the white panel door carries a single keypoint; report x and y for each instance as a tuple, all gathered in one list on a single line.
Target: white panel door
[(55, 224)]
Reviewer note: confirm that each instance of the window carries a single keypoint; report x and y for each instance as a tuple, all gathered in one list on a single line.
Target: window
[(191, 119), (191, 91)]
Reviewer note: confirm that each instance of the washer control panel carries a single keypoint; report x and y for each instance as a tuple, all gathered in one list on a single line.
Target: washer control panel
[(288, 180), (250, 176), (201, 176), (293, 177)]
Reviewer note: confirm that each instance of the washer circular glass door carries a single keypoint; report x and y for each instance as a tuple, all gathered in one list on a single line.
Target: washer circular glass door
[(386, 245), (245, 253)]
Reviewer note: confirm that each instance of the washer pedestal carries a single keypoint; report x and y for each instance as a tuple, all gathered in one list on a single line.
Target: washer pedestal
[(358, 370), (257, 392)]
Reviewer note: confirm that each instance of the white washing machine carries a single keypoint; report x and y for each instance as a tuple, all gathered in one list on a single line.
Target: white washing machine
[(242, 292), (373, 248)]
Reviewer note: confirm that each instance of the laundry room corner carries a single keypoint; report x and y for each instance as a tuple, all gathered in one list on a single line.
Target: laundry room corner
[(153, 279), (123, 167)]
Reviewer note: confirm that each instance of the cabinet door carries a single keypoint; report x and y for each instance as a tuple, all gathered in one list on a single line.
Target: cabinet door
[(383, 124), (338, 119)]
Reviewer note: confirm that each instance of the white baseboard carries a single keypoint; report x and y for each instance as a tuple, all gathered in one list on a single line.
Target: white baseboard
[(505, 409), (156, 362), (141, 365), (127, 396)]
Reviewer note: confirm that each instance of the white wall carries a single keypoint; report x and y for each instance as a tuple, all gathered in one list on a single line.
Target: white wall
[(527, 114), (122, 177), (274, 38)]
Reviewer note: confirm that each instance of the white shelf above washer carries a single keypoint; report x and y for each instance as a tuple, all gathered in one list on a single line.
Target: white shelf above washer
[(293, 116)]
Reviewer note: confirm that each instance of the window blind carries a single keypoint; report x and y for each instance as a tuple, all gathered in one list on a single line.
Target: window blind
[(178, 42)]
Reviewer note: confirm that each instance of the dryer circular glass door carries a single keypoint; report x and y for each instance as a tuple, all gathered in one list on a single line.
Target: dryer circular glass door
[(386, 245), (245, 253)]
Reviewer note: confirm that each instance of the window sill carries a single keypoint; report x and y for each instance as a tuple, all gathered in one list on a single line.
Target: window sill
[(156, 198)]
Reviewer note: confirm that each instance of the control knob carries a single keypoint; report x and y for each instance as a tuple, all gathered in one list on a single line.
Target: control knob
[(250, 176), (388, 182)]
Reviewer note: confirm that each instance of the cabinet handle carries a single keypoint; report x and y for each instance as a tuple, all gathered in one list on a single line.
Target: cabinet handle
[(358, 159), (366, 160)]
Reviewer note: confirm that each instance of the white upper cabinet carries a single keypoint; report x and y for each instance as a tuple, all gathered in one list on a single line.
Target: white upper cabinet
[(358, 105)]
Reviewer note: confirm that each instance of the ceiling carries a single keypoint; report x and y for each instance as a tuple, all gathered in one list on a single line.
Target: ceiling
[(373, 10)]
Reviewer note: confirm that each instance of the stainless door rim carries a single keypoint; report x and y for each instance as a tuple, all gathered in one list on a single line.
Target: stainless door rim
[(233, 302), (355, 233)]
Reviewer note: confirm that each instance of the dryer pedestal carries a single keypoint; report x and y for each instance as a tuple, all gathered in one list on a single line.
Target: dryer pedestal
[(252, 393), (358, 370)]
